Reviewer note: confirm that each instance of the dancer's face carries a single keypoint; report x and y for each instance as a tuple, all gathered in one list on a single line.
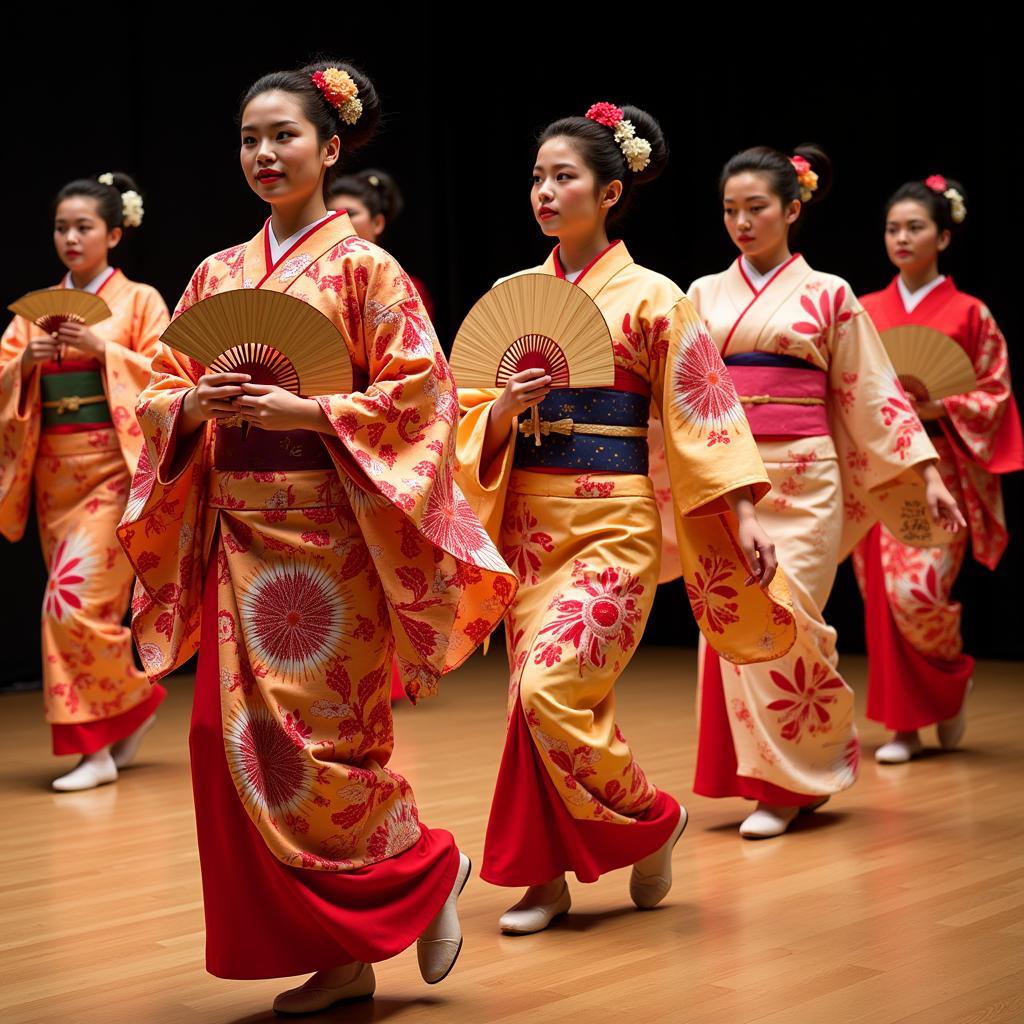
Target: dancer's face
[(912, 239), (756, 219), (566, 197), (367, 226), (282, 158), (81, 236)]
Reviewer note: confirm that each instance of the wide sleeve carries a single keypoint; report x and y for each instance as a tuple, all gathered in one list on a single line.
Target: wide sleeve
[(394, 444), (128, 367), (709, 451), (166, 527), (20, 417)]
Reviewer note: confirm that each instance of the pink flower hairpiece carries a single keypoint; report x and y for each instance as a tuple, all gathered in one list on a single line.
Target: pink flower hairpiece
[(805, 177), (339, 89), (957, 207), (637, 151)]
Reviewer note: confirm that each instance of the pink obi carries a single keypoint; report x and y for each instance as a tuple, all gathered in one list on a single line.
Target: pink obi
[(781, 395)]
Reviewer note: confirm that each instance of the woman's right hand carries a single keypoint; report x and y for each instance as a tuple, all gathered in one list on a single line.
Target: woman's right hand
[(524, 390), (39, 350), (212, 398)]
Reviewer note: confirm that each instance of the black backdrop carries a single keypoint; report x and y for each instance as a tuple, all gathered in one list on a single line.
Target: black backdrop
[(463, 100)]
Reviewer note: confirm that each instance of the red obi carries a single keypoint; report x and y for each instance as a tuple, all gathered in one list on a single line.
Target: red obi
[(782, 396)]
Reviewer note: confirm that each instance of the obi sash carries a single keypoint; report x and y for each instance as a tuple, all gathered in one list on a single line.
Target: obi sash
[(73, 397), (597, 430), (782, 396), (262, 451)]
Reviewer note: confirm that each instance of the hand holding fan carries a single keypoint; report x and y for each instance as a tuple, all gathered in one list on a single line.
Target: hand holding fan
[(274, 337), (929, 364), (48, 308), (534, 321)]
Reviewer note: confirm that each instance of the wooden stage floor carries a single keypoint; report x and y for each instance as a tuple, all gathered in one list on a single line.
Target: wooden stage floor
[(903, 902)]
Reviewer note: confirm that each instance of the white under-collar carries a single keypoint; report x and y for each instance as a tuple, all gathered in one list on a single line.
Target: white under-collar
[(95, 284), (278, 249), (911, 300), (571, 278), (755, 277)]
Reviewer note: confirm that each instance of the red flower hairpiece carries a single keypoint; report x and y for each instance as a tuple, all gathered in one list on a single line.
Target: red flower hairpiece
[(800, 164), (605, 113), (936, 182)]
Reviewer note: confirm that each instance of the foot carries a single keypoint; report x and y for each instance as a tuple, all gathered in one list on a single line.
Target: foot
[(900, 749), (652, 876), (124, 751), (92, 771), (439, 946), (951, 731), (538, 908), (767, 821), (325, 988)]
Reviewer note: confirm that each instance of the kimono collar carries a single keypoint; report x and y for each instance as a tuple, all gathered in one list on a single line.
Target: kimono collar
[(104, 286), (934, 300), (596, 274), (755, 310), (260, 272)]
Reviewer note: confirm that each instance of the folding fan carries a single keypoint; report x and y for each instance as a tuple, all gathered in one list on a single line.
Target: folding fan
[(929, 364), (48, 308), (534, 320)]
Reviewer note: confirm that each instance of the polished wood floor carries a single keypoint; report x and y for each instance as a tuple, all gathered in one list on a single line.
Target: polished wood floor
[(904, 902)]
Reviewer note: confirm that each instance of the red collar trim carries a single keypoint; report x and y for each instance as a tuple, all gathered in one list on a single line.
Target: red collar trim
[(775, 273), (271, 267), (757, 294), (110, 277), (560, 273)]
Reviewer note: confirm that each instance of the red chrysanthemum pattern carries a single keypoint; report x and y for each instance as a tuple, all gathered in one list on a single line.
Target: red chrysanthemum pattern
[(72, 563), (703, 390), (269, 769)]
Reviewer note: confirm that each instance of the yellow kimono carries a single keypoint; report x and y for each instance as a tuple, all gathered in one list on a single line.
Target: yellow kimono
[(837, 434), (585, 543), (302, 562), (80, 463)]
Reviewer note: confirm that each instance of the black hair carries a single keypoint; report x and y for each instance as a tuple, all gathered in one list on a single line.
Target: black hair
[(596, 145), (323, 115), (375, 189), (939, 208), (109, 204), (778, 171)]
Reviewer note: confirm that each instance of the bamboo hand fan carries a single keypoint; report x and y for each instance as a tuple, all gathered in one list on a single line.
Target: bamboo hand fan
[(48, 308), (534, 321), (929, 364), (274, 337)]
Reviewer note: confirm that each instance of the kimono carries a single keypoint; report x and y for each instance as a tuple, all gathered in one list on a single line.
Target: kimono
[(79, 458), (299, 564), (839, 438), (580, 527), (917, 671)]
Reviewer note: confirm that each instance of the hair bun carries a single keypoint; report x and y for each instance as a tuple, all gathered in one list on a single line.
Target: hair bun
[(358, 133), (822, 167), (647, 127)]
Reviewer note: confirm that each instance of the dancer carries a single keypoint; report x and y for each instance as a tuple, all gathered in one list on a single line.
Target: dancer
[(67, 428), (578, 522), (297, 558), (918, 674), (812, 373)]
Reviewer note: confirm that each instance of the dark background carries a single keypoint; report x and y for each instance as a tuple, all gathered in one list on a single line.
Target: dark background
[(892, 100)]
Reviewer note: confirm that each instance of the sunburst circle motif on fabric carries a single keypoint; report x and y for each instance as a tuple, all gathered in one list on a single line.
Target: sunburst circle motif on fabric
[(703, 390), (293, 617), (269, 770), (71, 567)]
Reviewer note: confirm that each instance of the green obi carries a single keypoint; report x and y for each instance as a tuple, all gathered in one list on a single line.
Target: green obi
[(74, 398)]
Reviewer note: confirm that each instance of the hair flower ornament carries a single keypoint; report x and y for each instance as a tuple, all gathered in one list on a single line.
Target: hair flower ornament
[(339, 89), (957, 207), (131, 208), (637, 151), (806, 178)]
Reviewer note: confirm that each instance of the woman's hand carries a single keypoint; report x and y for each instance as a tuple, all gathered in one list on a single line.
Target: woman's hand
[(930, 410), (523, 391), (942, 506), (757, 546), (272, 408), (79, 336), (213, 397), (38, 351)]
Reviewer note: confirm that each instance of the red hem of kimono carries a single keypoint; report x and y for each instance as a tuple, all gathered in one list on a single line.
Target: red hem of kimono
[(267, 919), (907, 690), (532, 838), (88, 737), (716, 774)]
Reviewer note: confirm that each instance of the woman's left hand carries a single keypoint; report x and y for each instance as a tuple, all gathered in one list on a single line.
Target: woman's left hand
[(79, 336), (942, 506), (272, 408)]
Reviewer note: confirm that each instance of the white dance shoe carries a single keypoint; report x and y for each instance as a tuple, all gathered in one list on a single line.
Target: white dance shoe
[(92, 771), (651, 878), (439, 946), (125, 751), (951, 731), (325, 988), (901, 748), (529, 916), (768, 821)]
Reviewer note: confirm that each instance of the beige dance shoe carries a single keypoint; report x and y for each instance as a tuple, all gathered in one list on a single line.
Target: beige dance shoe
[(901, 748), (951, 731), (125, 751), (91, 771), (439, 946), (651, 878), (769, 821), (528, 916), (325, 988)]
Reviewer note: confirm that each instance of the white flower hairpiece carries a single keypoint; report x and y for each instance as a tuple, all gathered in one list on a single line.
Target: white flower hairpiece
[(131, 202)]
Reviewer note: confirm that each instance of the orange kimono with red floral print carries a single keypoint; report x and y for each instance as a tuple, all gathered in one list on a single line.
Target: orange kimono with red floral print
[(587, 548), (839, 439), (917, 670), (80, 473), (327, 556)]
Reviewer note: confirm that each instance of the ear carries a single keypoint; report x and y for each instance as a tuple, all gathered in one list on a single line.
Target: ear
[(378, 223), (332, 151), (945, 237), (610, 194), (792, 211), (114, 237)]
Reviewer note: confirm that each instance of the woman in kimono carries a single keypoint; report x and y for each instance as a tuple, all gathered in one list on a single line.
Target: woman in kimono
[(918, 674), (298, 557), (835, 430), (68, 430), (577, 521)]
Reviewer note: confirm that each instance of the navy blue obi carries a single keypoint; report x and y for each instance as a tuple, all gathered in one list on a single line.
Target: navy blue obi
[(562, 448)]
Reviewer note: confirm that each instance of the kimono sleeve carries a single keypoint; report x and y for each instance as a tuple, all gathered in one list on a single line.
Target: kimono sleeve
[(20, 417)]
